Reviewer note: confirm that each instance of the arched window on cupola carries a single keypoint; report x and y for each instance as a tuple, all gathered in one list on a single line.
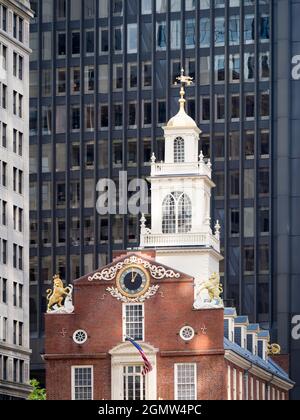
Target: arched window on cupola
[(179, 150), (177, 213)]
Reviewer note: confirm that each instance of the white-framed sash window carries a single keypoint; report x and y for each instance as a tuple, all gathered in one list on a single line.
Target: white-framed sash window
[(185, 381), (133, 321), (134, 383), (82, 383)]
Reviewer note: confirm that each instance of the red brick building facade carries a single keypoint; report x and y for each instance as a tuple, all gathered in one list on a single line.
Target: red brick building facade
[(208, 368)]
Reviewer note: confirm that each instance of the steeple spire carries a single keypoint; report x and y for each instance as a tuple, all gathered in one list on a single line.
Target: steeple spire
[(181, 119), (184, 80)]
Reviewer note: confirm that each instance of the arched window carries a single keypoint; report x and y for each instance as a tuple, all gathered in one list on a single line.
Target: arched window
[(179, 150), (184, 214), (169, 214), (177, 213)]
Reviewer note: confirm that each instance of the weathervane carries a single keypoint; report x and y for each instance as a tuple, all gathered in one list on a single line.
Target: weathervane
[(184, 80)]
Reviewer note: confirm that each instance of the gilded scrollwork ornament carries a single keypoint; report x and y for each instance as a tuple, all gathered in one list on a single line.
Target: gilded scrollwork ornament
[(157, 272), (125, 299)]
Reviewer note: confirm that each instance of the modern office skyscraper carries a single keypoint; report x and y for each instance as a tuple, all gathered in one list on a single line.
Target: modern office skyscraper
[(102, 77), (14, 199), (285, 174)]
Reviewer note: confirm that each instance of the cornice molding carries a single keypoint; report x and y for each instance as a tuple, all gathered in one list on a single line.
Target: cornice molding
[(261, 373), (239, 361), (75, 356), (176, 353), (276, 381)]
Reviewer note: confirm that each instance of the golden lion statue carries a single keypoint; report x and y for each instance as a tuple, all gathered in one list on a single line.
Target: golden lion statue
[(213, 287), (58, 294), (209, 294)]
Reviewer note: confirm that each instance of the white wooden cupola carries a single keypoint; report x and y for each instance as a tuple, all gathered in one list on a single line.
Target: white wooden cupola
[(181, 188)]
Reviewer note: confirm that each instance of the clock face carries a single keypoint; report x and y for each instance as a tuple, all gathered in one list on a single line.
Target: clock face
[(133, 281)]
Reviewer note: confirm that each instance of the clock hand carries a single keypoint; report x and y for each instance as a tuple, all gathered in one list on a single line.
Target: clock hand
[(133, 278)]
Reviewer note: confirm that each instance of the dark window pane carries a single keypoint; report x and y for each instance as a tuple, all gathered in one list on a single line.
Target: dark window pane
[(76, 43), (161, 112), (61, 44)]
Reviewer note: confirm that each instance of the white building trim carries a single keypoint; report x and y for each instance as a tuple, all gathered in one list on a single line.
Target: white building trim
[(229, 383), (234, 385), (241, 386), (126, 354)]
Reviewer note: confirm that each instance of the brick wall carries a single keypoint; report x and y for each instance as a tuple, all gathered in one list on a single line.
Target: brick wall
[(97, 312)]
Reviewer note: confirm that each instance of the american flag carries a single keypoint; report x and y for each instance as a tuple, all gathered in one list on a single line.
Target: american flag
[(147, 365)]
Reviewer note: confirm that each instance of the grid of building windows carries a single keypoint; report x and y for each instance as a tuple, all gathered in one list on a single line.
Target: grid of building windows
[(17, 373), (14, 211), (101, 89)]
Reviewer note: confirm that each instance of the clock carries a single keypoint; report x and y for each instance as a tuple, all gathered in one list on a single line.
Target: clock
[(133, 281)]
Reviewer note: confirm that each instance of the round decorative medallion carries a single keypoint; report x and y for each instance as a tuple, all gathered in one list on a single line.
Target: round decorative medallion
[(187, 333), (133, 281), (80, 337)]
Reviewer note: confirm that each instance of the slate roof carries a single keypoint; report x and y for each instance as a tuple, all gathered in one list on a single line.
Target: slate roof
[(230, 312), (253, 328), (241, 320), (263, 334), (268, 365)]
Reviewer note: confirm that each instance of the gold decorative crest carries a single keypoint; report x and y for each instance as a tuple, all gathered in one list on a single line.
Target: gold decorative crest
[(274, 350)]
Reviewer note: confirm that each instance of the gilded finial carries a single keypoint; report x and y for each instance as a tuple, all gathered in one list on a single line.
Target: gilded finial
[(184, 80)]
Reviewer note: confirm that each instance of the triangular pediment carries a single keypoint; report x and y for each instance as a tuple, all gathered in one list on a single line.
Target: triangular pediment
[(128, 349), (156, 270)]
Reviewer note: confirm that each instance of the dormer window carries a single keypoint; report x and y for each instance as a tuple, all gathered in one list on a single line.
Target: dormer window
[(251, 343), (229, 328), (179, 150), (238, 336), (260, 349), (177, 213)]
